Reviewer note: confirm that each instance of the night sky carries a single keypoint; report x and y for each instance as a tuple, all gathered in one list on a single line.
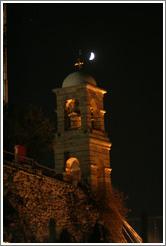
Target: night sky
[(43, 41)]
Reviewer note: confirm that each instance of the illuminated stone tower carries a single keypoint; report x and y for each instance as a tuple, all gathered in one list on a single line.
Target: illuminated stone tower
[(82, 148)]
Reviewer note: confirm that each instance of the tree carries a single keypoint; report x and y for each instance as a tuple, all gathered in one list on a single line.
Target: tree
[(110, 204), (30, 129), (113, 210)]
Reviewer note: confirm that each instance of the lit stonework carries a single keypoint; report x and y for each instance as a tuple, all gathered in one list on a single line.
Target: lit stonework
[(81, 131)]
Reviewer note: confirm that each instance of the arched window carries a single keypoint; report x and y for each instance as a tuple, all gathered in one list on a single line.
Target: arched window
[(72, 168), (72, 115), (95, 116)]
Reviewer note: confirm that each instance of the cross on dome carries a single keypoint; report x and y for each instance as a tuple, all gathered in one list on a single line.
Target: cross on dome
[(79, 63)]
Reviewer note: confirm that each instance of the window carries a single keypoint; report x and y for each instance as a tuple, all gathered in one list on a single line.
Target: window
[(95, 118), (72, 115)]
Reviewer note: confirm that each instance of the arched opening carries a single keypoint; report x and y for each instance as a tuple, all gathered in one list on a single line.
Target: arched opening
[(72, 115), (73, 169), (95, 116)]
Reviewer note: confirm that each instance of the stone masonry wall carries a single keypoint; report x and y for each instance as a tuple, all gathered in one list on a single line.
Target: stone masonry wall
[(39, 199)]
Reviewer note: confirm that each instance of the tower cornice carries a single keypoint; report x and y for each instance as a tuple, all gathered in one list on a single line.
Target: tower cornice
[(96, 89), (101, 143), (61, 91)]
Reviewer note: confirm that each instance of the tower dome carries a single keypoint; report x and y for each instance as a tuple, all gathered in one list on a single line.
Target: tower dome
[(78, 78)]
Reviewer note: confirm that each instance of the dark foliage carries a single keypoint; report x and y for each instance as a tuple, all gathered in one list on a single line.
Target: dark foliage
[(30, 129), (15, 230), (112, 209), (65, 237), (99, 234), (96, 234)]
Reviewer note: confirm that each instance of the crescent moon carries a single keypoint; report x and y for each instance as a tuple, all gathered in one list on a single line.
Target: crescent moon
[(92, 56)]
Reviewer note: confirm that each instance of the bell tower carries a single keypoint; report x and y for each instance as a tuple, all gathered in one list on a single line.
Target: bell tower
[(81, 135)]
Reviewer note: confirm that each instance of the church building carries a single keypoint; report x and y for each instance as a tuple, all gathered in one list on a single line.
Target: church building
[(82, 147)]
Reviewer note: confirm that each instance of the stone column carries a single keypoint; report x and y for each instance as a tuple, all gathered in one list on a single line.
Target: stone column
[(94, 181), (108, 178)]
